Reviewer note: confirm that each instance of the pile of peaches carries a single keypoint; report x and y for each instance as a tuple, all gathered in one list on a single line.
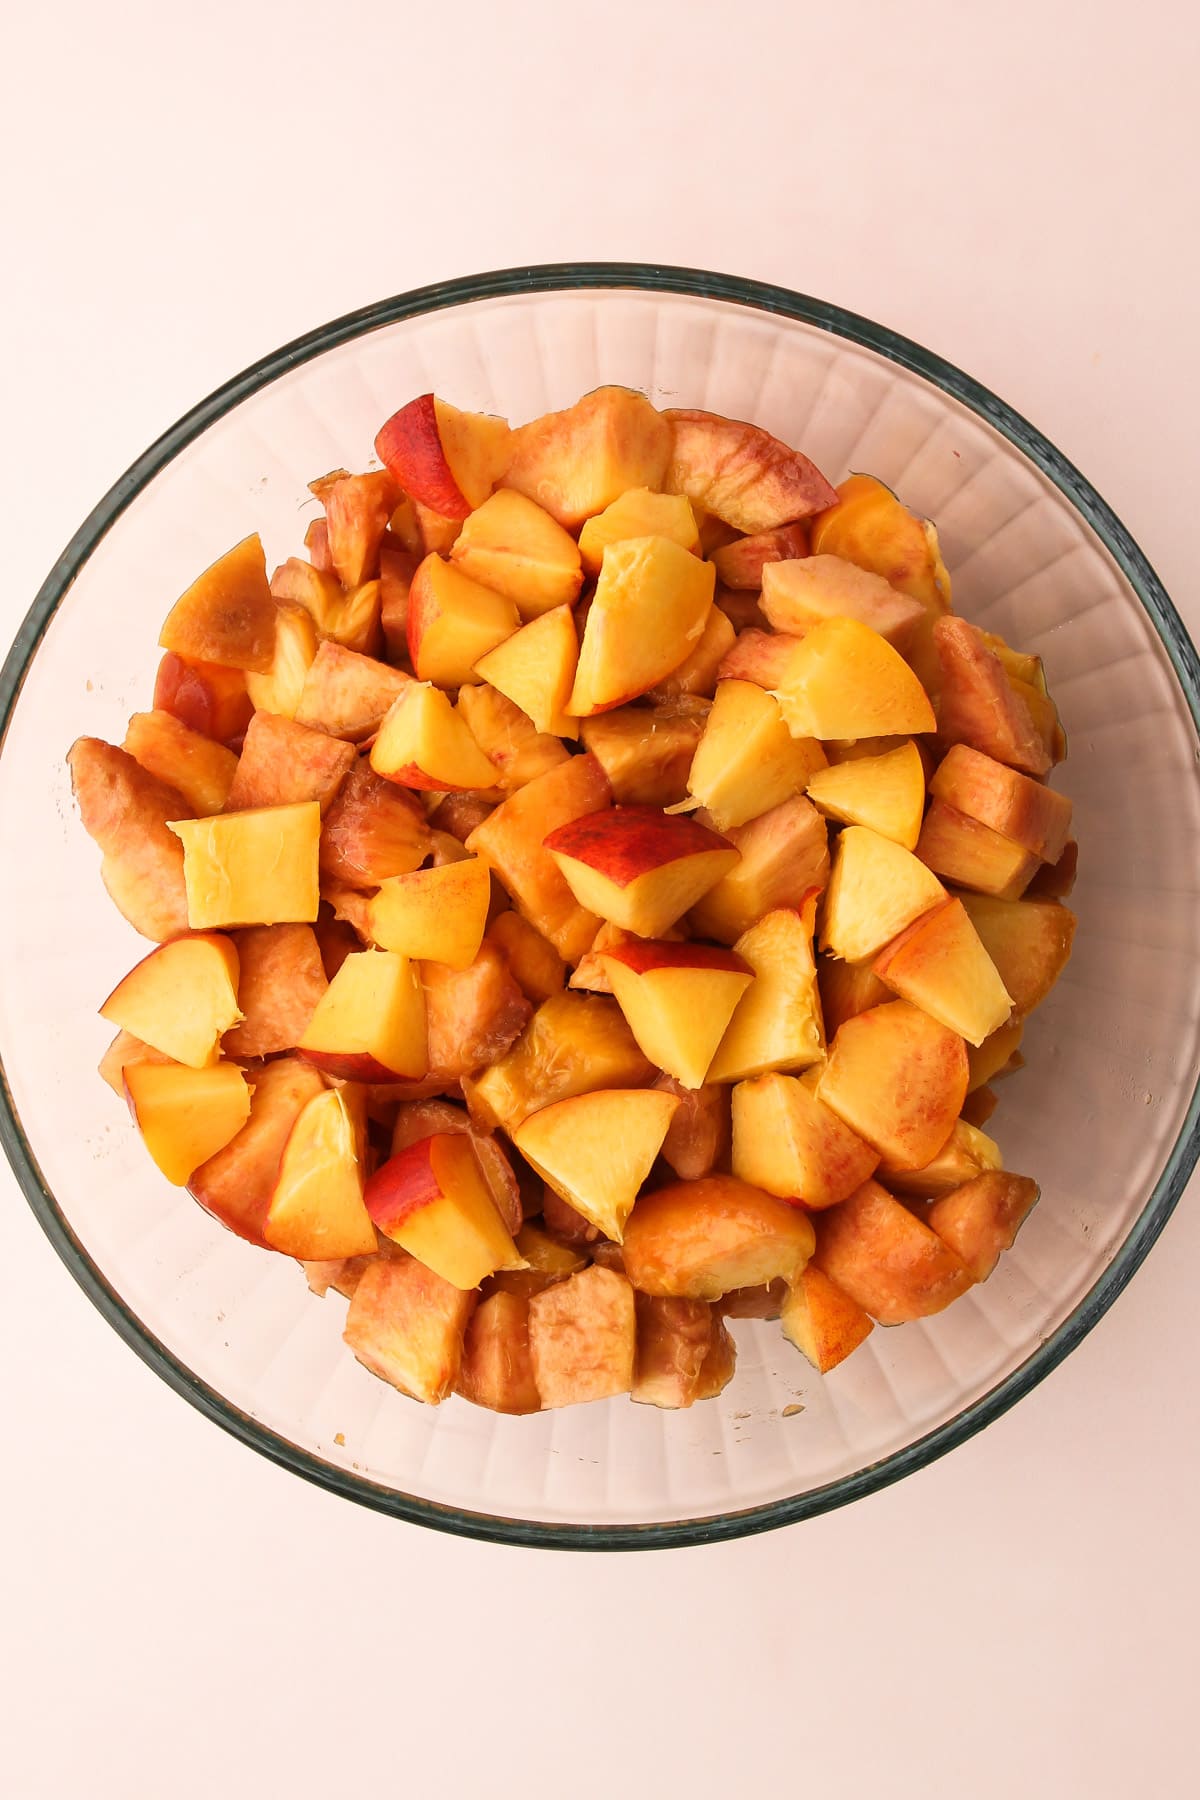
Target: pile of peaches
[(595, 890)]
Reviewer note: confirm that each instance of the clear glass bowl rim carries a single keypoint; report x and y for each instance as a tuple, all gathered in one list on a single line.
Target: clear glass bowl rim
[(763, 297)]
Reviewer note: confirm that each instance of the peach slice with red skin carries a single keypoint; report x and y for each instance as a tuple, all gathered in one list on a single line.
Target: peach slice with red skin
[(777, 1023), (497, 1363), (186, 1115), (886, 1260), (180, 998), (447, 460), (800, 594), (348, 695), (283, 763), (583, 1338), (281, 980), (257, 867), (1028, 812), (637, 867), (898, 1079), (678, 1000), (741, 473), (646, 752), (825, 1325), (512, 545), (196, 767), (453, 622), (597, 1149), (786, 1141), (576, 462), (423, 743), (981, 1219), (572, 1045), (236, 1184), (700, 1239), (740, 565), (369, 1025), (939, 964), (406, 1325), (972, 855), (373, 829), (317, 1211), (204, 696), (227, 615), (650, 607), (433, 1201), (637, 513), (784, 855), (417, 1119), (127, 812), (674, 1336)]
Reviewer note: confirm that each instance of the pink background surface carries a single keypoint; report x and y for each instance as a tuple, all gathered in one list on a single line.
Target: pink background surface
[(1012, 187)]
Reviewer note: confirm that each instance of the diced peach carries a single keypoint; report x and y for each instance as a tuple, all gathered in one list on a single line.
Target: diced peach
[(283, 763), (452, 622), (590, 973), (870, 527), (847, 989), (637, 867), (646, 752), (348, 695), (740, 564), (698, 1136), (548, 1260), (1027, 812), (433, 1201), (583, 1338), (127, 812), (180, 998), (236, 1184), (252, 868), (678, 1000), (577, 462), (597, 1149), (1028, 940), (125, 1050), (279, 691), (741, 609), (973, 855), (674, 1336), (875, 890), (320, 593), (317, 1210), (497, 1364), (357, 510), (940, 965), (824, 1324), (967, 1152), (369, 1025), (436, 533), (372, 830), (1055, 881), (446, 459), (537, 968), (898, 1079), (977, 704), (764, 657), (227, 616), (512, 545), (341, 1273), (186, 1115), (572, 1045), (784, 855), (424, 743), (508, 737), (511, 842), (406, 1325), (281, 980), (396, 571), (316, 542), (204, 696), (697, 674), (981, 1219), (788, 1142), (535, 668), (886, 1260), (742, 473), (194, 765), (700, 1239), (764, 1302), (637, 513), (649, 610), (569, 1226), (747, 760), (417, 1119), (474, 1015), (798, 595), (979, 1106), (884, 792), (454, 817), (1044, 715), (719, 1366), (777, 1023), (845, 681), (435, 915)]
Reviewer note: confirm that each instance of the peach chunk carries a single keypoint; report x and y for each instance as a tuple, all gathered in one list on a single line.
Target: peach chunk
[(845, 681), (424, 743), (674, 1336), (124, 1050), (535, 669), (180, 998), (204, 696), (452, 622), (747, 760), (678, 1000), (1026, 811), (369, 1025), (764, 657), (740, 564), (898, 1078), (583, 1338), (697, 673), (995, 1055), (973, 855), (511, 842), (886, 1260), (967, 1152), (719, 1366), (1055, 881), (1028, 940), (474, 1015), (979, 1106), (978, 705), (497, 1362), (886, 793), (396, 571), (548, 1260), (357, 510), (637, 513), (436, 915), (127, 811), (646, 752), (597, 1149), (824, 1324), (347, 695), (433, 1201), (870, 527), (741, 473), (940, 965), (227, 616), (981, 1219), (765, 1302), (406, 1325), (800, 594), (321, 595), (577, 462), (536, 966), (700, 1239), (447, 460), (786, 1141), (186, 1115), (513, 546), (281, 981), (572, 1045), (637, 867), (317, 1210), (282, 763), (252, 868), (875, 890), (508, 737), (196, 767), (847, 989), (454, 817), (417, 1119), (280, 689), (372, 829), (698, 1136), (650, 607), (784, 855), (236, 1184)]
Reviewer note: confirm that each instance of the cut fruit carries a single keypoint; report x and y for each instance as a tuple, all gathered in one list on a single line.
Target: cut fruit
[(1028, 940), (886, 793), (777, 1024), (847, 989), (252, 868), (373, 829), (283, 763), (787, 1142), (871, 528), (637, 867), (406, 1325), (646, 752), (570, 1046), (697, 674), (824, 1324), (497, 1364), (508, 737), (649, 610), (370, 1023), (701, 1239), (436, 915), (784, 856), (452, 622), (279, 690), (1055, 881), (227, 616), (898, 1078), (127, 813), (981, 1219), (720, 1365), (396, 570), (196, 767), (513, 546), (597, 1149), (433, 1201), (978, 705), (637, 513), (125, 1050), (204, 696), (180, 999), (993, 1056), (698, 1136), (940, 965), (741, 473), (973, 855), (548, 1261), (236, 1184), (740, 565), (535, 668), (417, 1119), (281, 978), (886, 1260), (845, 681), (876, 889), (357, 510), (1027, 812), (674, 1337), (678, 1000), (536, 966), (577, 462), (755, 1302), (317, 1210), (347, 695), (764, 657), (423, 743), (747, 760), (447, 460), (967, 1152), (473, 1015), (186, 1115), (798, 595), (583, 1338)]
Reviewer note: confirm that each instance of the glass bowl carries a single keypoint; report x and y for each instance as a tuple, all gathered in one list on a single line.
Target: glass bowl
[(1105, 1115)]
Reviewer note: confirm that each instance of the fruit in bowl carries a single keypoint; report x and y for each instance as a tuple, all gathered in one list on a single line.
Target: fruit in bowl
[(557, 956)]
